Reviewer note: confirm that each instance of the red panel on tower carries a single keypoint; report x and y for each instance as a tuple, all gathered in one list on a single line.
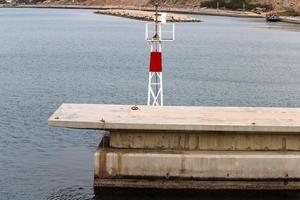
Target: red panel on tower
[(155, 62)]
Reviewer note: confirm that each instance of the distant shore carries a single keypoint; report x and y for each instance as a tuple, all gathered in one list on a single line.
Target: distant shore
[(193, 11), (196, 11)]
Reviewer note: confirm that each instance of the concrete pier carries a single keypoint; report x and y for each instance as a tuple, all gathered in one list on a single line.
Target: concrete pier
[(191, 147)]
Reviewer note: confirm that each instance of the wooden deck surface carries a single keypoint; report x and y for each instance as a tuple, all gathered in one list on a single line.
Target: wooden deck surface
[(104, 116)]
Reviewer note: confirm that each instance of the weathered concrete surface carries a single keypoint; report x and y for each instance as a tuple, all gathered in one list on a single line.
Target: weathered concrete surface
[(200, 165), (196, 184), (204, 140), (177, 118), (162, 147)]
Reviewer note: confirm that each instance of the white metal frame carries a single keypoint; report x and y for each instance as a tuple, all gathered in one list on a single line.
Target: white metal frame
[(149, 36), (155, 84), (155, 89)]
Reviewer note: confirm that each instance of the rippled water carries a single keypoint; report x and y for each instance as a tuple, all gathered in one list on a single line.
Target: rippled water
[(48, 57)]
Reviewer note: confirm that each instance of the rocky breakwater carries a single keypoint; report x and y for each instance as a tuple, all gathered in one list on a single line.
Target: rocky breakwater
[(146, 15), (288, 19)]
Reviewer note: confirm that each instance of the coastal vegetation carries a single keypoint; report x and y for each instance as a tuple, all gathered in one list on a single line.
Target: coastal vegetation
[(235, 4), (288, 12), (287, 7)]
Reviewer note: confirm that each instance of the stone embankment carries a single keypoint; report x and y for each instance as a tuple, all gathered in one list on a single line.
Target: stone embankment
[(146, 15), (293, 20)]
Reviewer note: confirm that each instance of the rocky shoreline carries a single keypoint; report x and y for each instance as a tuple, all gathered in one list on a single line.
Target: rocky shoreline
[(291, 20), (146, 15), (194, 11)]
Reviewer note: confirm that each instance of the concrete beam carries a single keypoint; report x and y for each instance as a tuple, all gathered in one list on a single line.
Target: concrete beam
[(226, 165), (157, 184), (204, 140)]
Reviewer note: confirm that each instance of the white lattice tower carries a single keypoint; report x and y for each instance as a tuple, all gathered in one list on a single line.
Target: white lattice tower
[(155, 84)]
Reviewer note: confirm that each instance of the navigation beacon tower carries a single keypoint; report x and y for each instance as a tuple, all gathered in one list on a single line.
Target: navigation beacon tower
[(161, 32)]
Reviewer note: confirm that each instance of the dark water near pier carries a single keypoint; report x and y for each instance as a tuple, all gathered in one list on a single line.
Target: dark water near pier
[(48, 57)]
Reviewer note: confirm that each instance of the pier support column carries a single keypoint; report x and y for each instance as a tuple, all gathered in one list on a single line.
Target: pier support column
[(178, 169)]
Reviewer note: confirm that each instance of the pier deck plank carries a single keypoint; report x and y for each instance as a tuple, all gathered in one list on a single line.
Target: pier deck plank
[(177, 118)]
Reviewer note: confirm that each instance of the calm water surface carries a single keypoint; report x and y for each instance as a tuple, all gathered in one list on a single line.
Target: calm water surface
[(48, 57)]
